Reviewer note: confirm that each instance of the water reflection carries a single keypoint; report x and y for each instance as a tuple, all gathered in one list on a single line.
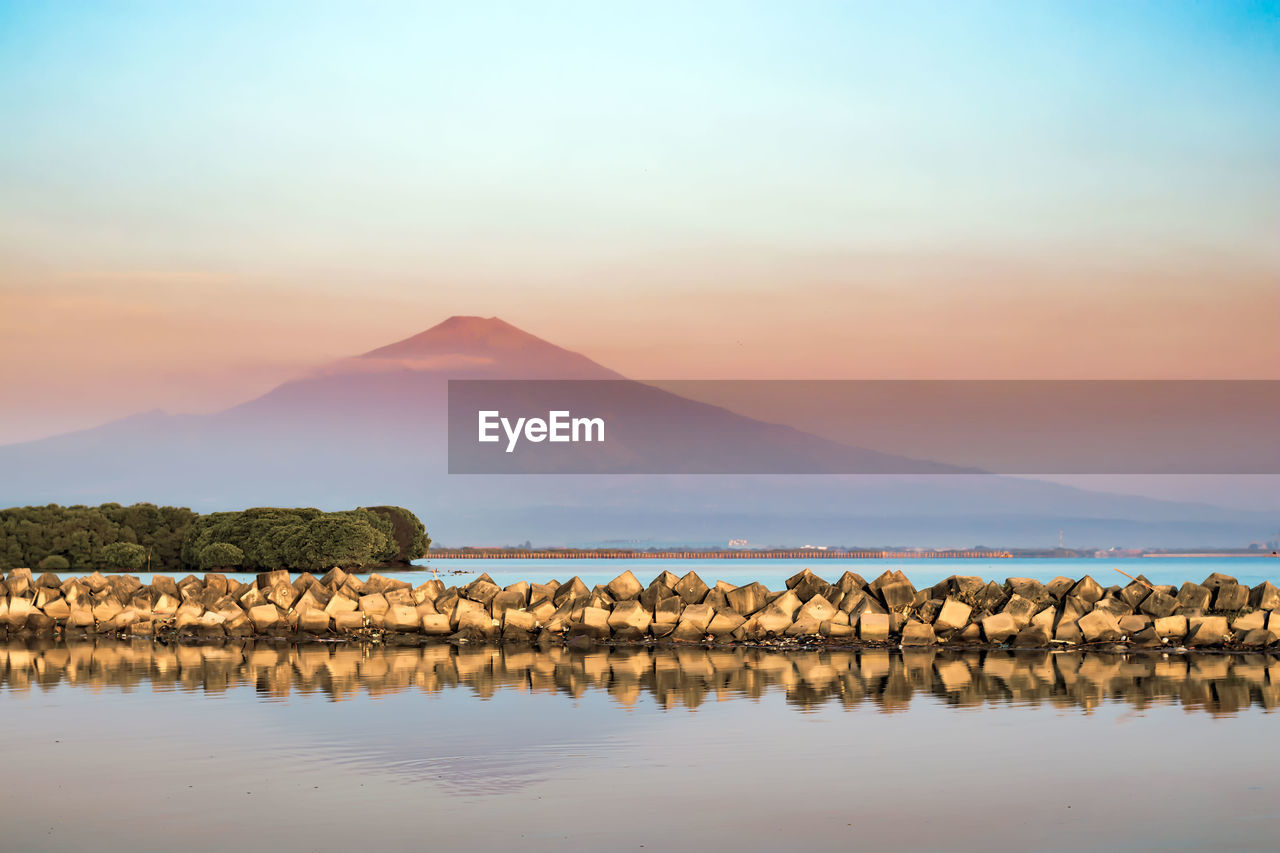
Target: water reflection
[(886, 679)]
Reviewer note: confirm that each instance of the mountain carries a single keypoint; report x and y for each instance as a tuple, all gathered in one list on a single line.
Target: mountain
[(372, 429)]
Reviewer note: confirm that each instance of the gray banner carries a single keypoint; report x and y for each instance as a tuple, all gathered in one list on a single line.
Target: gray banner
[(864, 427)]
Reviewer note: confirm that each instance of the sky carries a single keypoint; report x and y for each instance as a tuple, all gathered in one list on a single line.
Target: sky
[(200, 200)]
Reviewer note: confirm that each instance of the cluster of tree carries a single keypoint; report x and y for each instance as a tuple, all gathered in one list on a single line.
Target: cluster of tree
[(86, 538), (141, 536), (268, 538)]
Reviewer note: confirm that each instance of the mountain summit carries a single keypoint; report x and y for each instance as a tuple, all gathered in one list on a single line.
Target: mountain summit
[(466, 345), (463, 335)]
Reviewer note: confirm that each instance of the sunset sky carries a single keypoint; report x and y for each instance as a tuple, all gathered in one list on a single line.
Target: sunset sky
[(200, 200)]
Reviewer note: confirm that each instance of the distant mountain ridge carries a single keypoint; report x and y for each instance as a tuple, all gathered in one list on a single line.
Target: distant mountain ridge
[(371, 429)]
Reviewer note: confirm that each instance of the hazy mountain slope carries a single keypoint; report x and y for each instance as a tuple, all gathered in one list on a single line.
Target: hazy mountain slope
[(371, 430)]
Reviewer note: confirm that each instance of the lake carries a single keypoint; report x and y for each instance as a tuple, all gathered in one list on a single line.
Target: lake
[(135, 745)]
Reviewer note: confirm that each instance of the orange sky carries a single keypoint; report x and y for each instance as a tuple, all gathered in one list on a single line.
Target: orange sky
[(95, 347), (712, 190)]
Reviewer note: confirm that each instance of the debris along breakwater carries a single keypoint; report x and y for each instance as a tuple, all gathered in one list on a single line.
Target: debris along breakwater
[(887, 679), (960, 610)]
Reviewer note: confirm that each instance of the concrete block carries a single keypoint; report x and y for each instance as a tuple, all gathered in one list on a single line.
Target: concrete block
[(817, 609), (1173, 627), (58, 609), (282, 595), (1208, 631), (1193, 596), (855, 601), (772, 619), (572, 589), (624, 587), (1247, 622), (264, 616), (1135, 593), (1045, 620), (999, 627), (521, 620), (897, 595), (747, 599), (725, 622), (1087, 589), (1020, 610), (1259, 638), (427, 591), (1265, 596), (373, 603), (105, 611), (339, 603), (916, 633), (1231, 597), (403, 619), (655, 592), (1114, 605), (1133, 623), (596, 620), (873, 627), (465, 609), (1028, 588), (482, 590), (1147, 638), (1099, 626), (314, 621), (687, 632), (1158, 605), (691, 589), (803, 626), (436, 625), (508, 599), (629, 614), (1031, 637), (348, 621), (669, 609)]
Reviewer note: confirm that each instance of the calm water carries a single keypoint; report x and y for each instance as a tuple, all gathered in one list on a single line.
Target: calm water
[(773, 573), (138, 746)]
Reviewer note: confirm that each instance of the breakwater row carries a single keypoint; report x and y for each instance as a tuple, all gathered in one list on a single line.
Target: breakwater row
[(672, 677), (889, 610)]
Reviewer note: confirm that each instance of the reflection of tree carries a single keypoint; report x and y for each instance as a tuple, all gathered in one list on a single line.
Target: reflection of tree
[(670, 677)]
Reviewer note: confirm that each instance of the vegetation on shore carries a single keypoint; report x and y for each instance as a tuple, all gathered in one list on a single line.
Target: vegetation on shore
[(147, 537)]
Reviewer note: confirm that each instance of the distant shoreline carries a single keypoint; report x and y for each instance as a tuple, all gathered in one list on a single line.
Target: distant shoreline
[(484, 553), (697, 554)]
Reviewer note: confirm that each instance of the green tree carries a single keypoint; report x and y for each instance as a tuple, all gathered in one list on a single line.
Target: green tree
[(55, 563), (221, 555), (124, 555)]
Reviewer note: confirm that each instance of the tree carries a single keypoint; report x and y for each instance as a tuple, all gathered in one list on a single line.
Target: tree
[(221, 555), (124, 555), (407, 531), (55, 563)]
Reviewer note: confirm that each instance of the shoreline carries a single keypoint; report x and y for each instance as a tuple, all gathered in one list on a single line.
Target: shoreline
[(485, 553), (963, 612)]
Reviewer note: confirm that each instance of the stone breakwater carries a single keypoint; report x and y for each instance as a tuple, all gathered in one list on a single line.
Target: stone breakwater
[(1021, 612)]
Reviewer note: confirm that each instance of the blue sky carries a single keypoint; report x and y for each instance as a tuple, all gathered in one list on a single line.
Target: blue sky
[(1105, 163)]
